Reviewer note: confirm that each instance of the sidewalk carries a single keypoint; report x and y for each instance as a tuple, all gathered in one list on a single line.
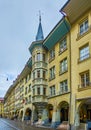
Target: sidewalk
[(24, 126)]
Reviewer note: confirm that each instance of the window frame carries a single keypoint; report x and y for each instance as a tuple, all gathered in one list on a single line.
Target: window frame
[(63, 65), (83, 26), (84, 53)]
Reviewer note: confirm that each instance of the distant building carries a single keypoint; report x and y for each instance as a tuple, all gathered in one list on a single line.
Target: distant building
[(1, 107)]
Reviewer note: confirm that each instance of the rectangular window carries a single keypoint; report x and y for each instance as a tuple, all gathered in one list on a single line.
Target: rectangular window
[(38, 56), (84, 27), (29, 98), (52, 54), (33, 75), (85, 79), (63, 45), (52, 72), (38, 74), (44, 74), (84, 53), (33, 59), (63, 65), (33, 91), (52, 90), (26, 90), (38, 91), (63, 86), (29, 88), (43, 57), (44, 91)]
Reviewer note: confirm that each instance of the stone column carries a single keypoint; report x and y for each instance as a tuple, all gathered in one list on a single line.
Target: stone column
[(55, 117), (45, 118), (34, 116), (77, 119)]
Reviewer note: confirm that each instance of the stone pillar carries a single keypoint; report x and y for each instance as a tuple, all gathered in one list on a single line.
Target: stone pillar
[(45, 118), (23, 115), (34, 116), (77, 119), (55, 117)]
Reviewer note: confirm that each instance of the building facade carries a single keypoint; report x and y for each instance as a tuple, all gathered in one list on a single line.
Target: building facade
[(55, 84), (1, 107)]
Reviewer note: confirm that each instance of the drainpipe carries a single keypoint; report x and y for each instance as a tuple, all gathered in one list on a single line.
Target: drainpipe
[(64, 15)]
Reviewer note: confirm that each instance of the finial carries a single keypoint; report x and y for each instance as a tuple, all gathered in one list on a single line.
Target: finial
[(39, 16), (39, 35)]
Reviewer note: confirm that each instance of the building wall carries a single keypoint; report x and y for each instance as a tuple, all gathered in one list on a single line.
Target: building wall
[(1, 108), (77, 66)]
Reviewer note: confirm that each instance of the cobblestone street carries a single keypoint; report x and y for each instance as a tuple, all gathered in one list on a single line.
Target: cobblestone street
[(6, 124)]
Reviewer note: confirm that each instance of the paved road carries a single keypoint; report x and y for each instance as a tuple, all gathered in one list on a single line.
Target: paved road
[(6, 124)]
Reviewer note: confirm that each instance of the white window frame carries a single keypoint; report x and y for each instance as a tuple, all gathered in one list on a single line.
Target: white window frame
[(84, 53), (83, 27)]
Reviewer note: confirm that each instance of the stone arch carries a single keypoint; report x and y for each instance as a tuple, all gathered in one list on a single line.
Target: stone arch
[(84, 109), (64, 110), (28, 114)]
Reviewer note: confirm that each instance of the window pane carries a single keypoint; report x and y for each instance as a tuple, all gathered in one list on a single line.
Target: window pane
[(84, 53), (85, 79), (63, 44), (84, 27)]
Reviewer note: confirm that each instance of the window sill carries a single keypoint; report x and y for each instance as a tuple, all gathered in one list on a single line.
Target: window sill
[(51, 59), (64, 49), (79, 36), (84, 88), (51, 78), (61, 73), (80, 61)]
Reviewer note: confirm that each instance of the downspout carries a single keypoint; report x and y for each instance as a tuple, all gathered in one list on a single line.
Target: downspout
[(64, 15)]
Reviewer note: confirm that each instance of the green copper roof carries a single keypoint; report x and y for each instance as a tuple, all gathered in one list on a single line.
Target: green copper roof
[(59, 31), (36, 43), (29, 62), (39, 35)]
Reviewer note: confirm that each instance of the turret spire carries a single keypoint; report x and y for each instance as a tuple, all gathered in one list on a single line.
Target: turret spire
[(39, 35)]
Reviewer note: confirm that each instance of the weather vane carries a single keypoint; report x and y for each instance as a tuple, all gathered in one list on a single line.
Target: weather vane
[(40, 15)]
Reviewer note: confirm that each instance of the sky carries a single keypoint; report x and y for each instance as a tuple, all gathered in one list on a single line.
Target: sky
[(19, 20)]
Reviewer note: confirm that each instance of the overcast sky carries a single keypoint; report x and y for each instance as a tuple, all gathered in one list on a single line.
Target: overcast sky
[(19, 21)]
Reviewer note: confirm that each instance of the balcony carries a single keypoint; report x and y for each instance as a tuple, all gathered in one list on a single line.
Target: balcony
[(39, 98), (84, 86), (40, 81), (39, 64)]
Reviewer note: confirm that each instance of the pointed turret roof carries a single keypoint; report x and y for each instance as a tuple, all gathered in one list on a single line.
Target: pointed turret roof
[(39, 35)]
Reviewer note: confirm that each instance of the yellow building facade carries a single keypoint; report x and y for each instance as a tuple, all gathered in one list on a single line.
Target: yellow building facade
[(55, 84), (1, 107)]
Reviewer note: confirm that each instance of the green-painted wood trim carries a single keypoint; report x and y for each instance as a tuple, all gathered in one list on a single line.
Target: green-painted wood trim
[(58, 32)]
